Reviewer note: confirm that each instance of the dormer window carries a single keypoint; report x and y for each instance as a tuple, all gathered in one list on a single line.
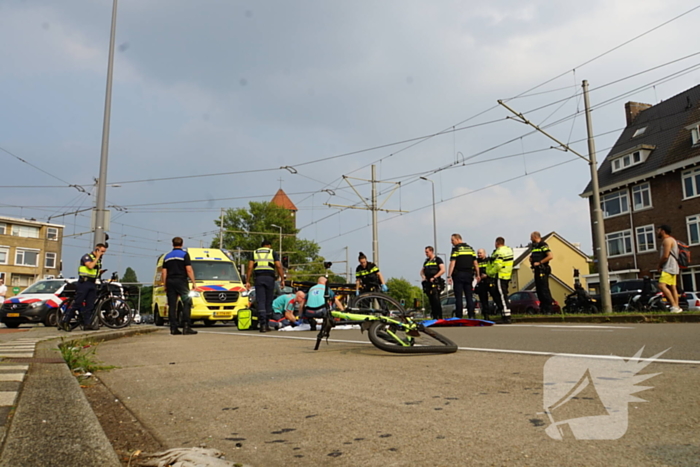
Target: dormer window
[(639, 132), (694, 133), (630, 159)]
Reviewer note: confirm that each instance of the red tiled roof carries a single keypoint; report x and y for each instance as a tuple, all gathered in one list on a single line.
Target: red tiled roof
[(282, 200)]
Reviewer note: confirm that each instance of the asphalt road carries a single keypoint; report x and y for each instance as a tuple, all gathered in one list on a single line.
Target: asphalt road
[(271, 400)]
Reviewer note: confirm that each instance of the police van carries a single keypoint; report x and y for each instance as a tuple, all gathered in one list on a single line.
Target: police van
[(219, 293)]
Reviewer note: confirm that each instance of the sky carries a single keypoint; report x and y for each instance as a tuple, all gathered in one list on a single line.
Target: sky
[(217, 96)]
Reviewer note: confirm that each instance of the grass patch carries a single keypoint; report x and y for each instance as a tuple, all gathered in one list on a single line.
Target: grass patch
[(80, 356)]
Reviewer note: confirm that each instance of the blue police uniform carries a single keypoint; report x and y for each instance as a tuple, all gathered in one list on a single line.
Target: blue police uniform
[(176, 286), (264, 269), (462, 276), (85, 292)]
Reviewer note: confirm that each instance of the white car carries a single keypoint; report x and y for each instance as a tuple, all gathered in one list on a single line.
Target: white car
[(693, 301)]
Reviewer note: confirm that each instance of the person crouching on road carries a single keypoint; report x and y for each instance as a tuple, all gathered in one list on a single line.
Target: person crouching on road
[(368, 278), (433, 283), (264, 263), (317, 303), (86, 290), (177, 268), (463, 264), (283, 307)]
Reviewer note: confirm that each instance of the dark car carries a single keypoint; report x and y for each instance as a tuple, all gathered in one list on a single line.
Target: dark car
[(622, 293), (526, 302)]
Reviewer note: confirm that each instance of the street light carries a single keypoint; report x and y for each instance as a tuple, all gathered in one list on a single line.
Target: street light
[(278, 227), (434, 221)]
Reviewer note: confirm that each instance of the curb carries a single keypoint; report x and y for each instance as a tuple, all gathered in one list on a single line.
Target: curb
[(53, 423)]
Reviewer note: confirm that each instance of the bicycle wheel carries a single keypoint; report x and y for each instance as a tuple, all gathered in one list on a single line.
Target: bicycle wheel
[(61, 313), (375, 303), (396, 338), (114, 313)]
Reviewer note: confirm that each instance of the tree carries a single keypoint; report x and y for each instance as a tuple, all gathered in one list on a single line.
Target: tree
[(129, 276), (401, 289), (244, 230)]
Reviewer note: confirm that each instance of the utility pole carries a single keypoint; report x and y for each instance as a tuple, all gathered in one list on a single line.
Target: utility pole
[(101, 216), (598, 227), (221, 229), (371, 206), (347, 265)]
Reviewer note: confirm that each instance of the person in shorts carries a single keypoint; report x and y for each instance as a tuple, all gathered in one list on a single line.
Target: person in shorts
[(668, 265)]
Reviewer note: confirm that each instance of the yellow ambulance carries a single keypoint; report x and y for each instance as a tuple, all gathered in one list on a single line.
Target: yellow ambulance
[(219, 294)]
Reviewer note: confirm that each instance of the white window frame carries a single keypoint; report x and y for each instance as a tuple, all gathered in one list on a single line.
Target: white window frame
[(28, 278), (639, 132), (3, 228), (694, 133), (640, 189), (621, 194), (49, 230), (18, 230), (22, 250), (6, 250), (46, 260), (691, 221), (694, 176), (647, 231), (623, 235)]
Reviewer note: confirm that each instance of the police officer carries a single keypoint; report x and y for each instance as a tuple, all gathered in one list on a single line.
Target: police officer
[(482, 288), (177, 267), (433, 284), (264, 263), (86, 291), (368, 278), (463, 264), (500, 270), (540, 257)]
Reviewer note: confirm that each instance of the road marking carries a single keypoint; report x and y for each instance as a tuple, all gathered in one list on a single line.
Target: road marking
[(584, 326), (11, 376), (7, 397), (466, 349), (4, 367)]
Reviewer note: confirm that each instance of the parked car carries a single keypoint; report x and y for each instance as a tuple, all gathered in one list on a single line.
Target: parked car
[(38, 303), (693, 301), (526, 302), (448, 306), (622, 293)]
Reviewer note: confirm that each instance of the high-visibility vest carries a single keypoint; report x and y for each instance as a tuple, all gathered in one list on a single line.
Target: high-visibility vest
[(264, 259), (502, 259), (84, 271)]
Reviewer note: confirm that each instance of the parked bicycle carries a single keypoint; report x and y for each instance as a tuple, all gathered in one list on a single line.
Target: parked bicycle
[(110, 309)]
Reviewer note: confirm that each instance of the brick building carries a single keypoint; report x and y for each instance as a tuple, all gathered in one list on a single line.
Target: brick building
[(29, 250), (651, 177)]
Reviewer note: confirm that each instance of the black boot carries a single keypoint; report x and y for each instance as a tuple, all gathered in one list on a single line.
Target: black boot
[(188, 331), (175, 332), (263, 325)]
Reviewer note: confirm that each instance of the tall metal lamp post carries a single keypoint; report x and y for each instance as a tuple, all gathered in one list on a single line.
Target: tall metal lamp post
[(434, 221), (278, 227)]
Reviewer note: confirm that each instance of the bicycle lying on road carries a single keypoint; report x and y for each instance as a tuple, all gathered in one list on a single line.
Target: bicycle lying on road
[(110, 308), (389, 326)]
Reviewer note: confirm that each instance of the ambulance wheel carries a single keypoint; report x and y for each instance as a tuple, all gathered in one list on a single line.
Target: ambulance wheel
[(157, 318), (209, 322)]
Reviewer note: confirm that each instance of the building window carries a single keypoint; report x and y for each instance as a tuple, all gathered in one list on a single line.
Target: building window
[(619, 243), (693, 223), (646, 239), (22, 280), (26, 257), (3, 228), (628, 160), (639, 132), (4, 254), (691, 183), (691, 279), (614, 204), (50, 262), (694, 133), (641, 197), (25, 231), (52, 233)]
